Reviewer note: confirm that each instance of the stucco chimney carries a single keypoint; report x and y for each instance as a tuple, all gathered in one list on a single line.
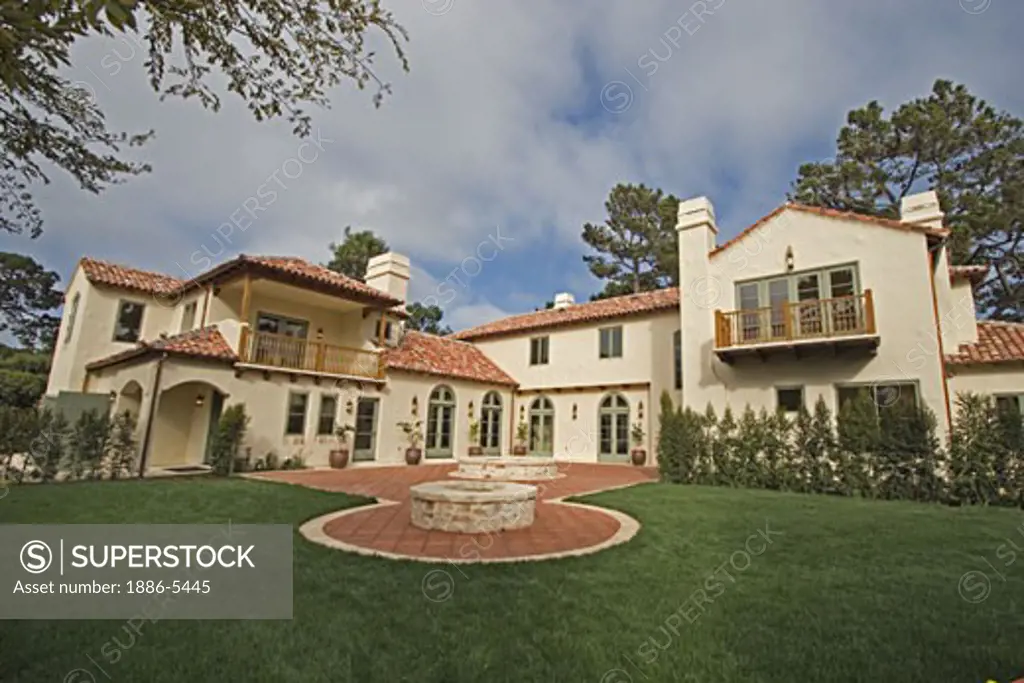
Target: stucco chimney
[(564, 300), (922, 208), (699, 292), (389, 273)]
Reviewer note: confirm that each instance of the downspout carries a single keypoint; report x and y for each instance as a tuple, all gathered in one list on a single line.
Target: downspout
[(152, 413), (931, 256)]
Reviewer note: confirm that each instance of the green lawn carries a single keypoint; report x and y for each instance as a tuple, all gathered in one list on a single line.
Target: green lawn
[(847, 591)]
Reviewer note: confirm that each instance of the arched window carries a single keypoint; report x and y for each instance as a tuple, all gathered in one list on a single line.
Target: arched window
[(542, 426), (440, 422), (72, 314), (490, 423), (613, 416)]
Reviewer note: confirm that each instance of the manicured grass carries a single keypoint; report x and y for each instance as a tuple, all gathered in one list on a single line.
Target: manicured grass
[(847, 591)]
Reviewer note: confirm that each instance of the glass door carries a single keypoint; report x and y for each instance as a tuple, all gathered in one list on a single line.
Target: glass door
[(808, 296), (365, 437), (845, 315), (750, 317), (778, 301), (280, 341), (542, 427)]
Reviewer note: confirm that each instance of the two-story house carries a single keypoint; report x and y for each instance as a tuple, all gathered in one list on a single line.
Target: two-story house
[(804, 303)]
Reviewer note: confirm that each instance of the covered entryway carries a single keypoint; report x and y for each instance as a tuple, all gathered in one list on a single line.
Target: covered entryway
[(185, 417)]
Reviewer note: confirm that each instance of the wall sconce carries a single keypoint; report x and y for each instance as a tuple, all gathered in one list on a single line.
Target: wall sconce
[(350, 406), (112, 395), (640, 410), (522, 412), (470, 410), (415, 405), (200, 399), (789, 258), (574, 411), (319, 334)]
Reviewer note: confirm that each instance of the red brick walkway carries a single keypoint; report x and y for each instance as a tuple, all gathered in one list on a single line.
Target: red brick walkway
[(386, 529)]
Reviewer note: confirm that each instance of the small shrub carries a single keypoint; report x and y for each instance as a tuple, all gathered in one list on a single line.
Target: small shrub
[(123, 448), (228, 438), (88, 445)]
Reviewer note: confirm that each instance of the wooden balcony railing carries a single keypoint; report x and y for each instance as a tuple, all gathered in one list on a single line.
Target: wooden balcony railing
[(788, 322), (295, 353)]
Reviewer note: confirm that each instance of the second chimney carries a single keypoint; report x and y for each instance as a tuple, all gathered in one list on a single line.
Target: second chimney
[(564, 300)]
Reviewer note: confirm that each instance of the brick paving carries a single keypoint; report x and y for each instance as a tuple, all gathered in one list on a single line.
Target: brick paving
[(386, 528)]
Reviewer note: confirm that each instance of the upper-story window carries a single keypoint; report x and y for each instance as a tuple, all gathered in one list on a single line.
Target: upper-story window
[(808, 303), (811, 285), (72, 314), (188, 317), (388, 330), (128, 325), (610, 342), (539, 350)]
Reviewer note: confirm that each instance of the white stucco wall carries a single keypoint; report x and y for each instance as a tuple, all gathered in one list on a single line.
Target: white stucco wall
[(894, 264), (989, 380), (93, 337)]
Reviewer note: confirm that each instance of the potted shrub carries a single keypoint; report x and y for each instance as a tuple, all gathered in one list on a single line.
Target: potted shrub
[(414, 434), (339, 455), (474, 439), (522, 436), (638, 454)]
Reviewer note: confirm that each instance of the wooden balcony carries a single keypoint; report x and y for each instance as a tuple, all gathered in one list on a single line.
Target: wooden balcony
[(294, 353), (831, 324)]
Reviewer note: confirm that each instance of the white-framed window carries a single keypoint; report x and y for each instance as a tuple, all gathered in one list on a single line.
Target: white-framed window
[(883, 394), (188, 316), (328, 415), (295, 421), (539, 350), (610, 342), (789, 399), (72, 315), (128, 325)]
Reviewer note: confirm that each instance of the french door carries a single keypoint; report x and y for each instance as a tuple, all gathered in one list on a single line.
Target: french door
[(365, 437)]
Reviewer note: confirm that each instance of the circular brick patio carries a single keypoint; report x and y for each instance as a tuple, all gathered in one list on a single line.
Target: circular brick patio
[(560, 529)]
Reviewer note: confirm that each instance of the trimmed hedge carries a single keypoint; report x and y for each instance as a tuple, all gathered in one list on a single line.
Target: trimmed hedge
[(39, 445), (875, 452)]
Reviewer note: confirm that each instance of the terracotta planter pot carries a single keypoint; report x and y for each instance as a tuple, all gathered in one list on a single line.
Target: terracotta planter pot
[(413, 456), (519, 450), (338, 458), (639, 456), (475, 450)]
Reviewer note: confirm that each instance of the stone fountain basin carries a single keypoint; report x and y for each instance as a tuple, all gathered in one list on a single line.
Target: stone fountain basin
[(512, 468), (471, 507)]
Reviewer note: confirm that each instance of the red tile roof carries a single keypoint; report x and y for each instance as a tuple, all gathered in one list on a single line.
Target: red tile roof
[(290, 269), (123, 277), (205, 343), (592, 311), (976, 274), (832, 213), (444, 357), (997, 343)]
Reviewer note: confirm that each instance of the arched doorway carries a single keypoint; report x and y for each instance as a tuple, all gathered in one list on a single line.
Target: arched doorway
[(186, 416), (613, 418), (440, 422), (129, 400), (542, 426), (490, 424)]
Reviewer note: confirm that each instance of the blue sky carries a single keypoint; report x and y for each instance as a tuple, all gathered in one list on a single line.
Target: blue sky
[(519, 118)]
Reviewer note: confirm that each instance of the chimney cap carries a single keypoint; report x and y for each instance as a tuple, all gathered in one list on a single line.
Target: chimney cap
[(695, 212), (564, 299), (922, 207)]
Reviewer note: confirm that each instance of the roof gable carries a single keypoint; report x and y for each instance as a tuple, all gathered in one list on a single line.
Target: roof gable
[(833, 214)]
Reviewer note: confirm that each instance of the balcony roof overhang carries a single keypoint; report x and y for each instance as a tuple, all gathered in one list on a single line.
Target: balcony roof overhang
[(801, 348)]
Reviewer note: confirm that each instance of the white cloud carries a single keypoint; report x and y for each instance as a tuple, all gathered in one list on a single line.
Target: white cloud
[(480, 133)]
